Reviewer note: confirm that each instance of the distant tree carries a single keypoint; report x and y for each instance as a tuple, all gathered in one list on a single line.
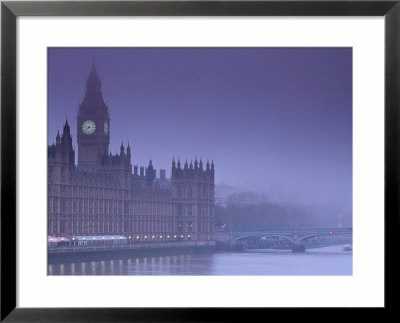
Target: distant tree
[(249, 212)]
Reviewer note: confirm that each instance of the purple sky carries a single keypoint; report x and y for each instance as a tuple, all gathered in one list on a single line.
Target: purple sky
[(275, 120)]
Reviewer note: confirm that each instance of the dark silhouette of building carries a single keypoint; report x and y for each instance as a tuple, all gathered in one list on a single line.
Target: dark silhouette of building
[(102, 196)]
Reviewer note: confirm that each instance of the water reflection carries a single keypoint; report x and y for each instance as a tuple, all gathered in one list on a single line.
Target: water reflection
[(328, 261)]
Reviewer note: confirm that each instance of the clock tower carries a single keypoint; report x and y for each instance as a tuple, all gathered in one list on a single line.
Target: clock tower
[(93, 125)]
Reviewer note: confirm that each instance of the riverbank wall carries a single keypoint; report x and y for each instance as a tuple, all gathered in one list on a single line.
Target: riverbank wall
[(93, 253)]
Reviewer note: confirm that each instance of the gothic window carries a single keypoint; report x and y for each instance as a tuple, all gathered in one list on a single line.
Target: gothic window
[(62, 226), (190, 192), (63, 175)]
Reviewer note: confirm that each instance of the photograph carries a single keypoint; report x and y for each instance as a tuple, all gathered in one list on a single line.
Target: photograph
[(200, 161), (168, 161)]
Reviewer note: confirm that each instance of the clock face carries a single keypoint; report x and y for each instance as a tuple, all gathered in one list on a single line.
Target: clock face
[(88, 127), (105, 127)]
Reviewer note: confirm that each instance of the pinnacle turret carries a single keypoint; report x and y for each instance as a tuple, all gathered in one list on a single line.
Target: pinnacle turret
[(58, 138), (66, 127), (66, 138), (128, 151), (150, 173)]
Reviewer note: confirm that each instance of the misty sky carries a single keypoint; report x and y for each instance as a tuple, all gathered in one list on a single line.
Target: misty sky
[(274, 120)]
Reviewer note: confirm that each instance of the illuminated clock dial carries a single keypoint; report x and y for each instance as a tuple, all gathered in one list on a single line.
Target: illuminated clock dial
[(88, 127), (105, 127)]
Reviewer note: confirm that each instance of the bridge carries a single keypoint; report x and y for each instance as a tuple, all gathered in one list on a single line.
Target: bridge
[(296, 238)]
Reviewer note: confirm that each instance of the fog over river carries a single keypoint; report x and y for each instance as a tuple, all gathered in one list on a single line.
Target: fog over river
[(331, 260)]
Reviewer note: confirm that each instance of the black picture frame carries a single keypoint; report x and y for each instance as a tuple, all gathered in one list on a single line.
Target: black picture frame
[(10, 10)]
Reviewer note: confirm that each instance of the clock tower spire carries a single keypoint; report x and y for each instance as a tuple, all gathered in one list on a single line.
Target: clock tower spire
[(93, 124)]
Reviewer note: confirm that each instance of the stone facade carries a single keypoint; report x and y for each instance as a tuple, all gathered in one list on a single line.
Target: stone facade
[(102, 196)]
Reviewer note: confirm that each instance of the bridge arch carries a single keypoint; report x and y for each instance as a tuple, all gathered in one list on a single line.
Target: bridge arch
[(309, 236), (281, 237)]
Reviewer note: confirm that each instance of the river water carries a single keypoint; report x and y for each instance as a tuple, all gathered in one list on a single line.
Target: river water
[(319, 261)]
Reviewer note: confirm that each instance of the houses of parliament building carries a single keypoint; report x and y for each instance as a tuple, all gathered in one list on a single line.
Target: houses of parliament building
[(102, 195)]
